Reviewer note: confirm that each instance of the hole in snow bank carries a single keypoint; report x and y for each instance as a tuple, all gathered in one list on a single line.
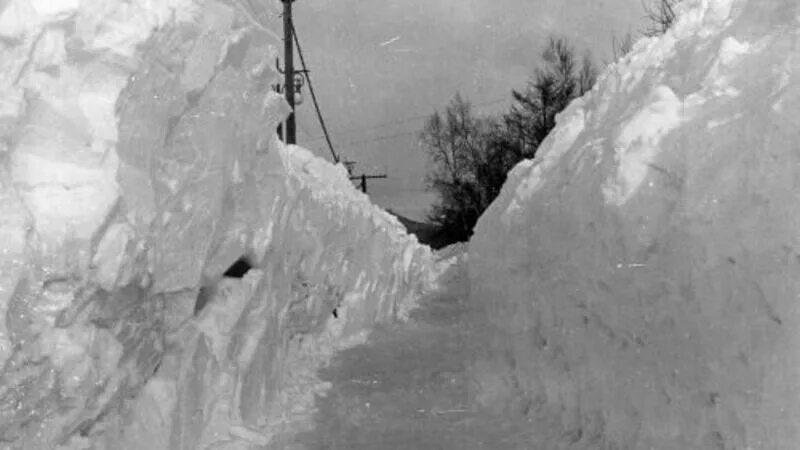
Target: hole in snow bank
[(239, 268)]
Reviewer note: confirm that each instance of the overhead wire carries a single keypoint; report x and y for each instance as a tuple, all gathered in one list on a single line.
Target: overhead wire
[(399, 121), (313, 95), (381, 138), (373, 127), (327, 136)]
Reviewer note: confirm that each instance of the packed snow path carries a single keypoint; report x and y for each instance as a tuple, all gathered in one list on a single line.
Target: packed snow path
[(408, 386)]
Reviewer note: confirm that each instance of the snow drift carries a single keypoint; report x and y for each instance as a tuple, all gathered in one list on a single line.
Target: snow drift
[(643, 272), (138, 163)]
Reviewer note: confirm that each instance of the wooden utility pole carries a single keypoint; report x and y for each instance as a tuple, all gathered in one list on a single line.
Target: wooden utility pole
[(288, 71), (364, 177)]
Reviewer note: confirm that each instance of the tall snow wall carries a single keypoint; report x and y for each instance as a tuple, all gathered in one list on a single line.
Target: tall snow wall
[(643, 272), (138, 162)]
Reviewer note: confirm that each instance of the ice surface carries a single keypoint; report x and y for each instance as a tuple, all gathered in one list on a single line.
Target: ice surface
[(642, 272), (138, 161)]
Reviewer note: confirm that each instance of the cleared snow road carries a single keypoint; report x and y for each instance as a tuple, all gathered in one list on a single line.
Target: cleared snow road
[(407, 387)]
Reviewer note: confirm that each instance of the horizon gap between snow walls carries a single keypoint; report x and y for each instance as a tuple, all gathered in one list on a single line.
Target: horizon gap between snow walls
[(643, 271), (168, 267)]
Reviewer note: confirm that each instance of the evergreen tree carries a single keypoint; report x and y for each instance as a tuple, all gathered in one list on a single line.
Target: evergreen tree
[(553, 87), (472, 155)]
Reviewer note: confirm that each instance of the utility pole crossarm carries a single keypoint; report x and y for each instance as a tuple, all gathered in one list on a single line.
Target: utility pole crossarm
[(361, 177), (364, 177)]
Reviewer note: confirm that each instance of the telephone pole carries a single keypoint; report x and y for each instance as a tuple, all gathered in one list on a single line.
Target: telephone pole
[(288, 71), (363, 177)]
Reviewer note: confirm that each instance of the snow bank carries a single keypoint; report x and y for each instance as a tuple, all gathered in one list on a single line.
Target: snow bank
[(138, 163), (642, 272)]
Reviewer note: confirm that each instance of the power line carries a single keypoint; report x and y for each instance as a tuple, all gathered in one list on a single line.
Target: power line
[(381, 138), (363, 177), (399, 121), (390, 136), (313, 95), (373, 127)]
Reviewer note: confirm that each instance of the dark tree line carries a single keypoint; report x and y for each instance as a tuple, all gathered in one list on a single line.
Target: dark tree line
[(472, 155)]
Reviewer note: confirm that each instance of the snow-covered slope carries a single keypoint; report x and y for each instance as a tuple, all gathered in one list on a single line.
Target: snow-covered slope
[(644, 270), (138, 162)]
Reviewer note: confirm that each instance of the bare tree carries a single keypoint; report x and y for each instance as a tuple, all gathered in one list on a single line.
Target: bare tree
[(471, 155), (660, 15), (621, 46), (456, 142), (587, 75)]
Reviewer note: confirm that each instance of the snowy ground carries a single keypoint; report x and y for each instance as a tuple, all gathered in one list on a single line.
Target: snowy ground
[(138, 162), (408, 386), (642, 271), (634, 287)]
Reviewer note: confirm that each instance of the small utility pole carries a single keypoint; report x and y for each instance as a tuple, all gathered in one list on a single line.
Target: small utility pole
[(363, 177), (288, 70)]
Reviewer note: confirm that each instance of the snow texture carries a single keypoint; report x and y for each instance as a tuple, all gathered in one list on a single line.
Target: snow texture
[(642, 271), (138, 162)]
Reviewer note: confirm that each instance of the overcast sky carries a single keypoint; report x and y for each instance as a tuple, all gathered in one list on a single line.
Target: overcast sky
[(379, 67)]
